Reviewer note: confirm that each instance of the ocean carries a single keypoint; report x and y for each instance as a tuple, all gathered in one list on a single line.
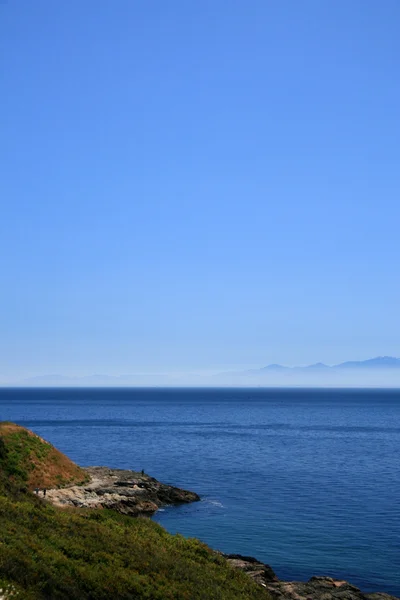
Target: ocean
[(307, 481)]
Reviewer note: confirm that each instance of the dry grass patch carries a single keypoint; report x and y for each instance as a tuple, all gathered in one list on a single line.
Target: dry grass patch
[(36, 461)]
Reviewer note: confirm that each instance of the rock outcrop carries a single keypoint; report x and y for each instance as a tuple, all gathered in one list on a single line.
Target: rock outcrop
[(317, 588), (128, 492)]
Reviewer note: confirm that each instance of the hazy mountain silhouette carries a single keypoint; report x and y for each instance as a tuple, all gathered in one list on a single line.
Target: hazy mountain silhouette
[(380, 371), (380, 362), (316, 367), (273, 368)]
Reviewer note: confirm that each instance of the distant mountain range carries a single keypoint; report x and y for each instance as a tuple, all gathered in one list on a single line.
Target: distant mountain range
[(379, 371), (380, 362)]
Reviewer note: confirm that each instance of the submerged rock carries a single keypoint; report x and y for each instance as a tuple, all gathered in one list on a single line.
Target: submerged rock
[(128, 492), (316, 588)]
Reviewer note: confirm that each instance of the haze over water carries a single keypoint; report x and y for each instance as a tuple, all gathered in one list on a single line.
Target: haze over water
[(306, 480)]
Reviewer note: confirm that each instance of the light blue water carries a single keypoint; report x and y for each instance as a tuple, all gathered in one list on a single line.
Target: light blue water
[(305, 480)]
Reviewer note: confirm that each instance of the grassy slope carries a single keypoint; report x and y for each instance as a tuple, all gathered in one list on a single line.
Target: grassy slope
[(37, 462), (48, 553)]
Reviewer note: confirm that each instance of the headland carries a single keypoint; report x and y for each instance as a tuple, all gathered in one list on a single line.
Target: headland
[(66, 532)]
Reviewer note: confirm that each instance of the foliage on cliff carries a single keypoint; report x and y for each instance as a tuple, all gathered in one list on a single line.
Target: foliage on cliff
[(49, 553), (36, 463)]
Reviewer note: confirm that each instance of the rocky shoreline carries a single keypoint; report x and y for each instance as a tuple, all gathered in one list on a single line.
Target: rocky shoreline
[(137, 494), (128, 492), (316, 588)]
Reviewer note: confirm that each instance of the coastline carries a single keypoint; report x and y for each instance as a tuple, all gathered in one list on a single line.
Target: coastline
[(138, 494), (316, 588), (128, 492)]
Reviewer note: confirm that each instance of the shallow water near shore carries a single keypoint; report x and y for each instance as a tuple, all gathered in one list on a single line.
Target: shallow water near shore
[(305, 480)]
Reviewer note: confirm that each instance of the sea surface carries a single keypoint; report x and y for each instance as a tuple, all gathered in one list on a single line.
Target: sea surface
[(305, 480)]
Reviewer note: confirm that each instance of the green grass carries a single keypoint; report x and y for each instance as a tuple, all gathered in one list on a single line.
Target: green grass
[(54, 554), (32, 460), (22, 451)]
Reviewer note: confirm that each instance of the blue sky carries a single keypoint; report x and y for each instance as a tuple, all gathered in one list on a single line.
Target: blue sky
[(198, 185)]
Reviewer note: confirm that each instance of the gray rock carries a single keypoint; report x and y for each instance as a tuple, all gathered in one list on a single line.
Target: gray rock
[(127, 492), (317, 588)]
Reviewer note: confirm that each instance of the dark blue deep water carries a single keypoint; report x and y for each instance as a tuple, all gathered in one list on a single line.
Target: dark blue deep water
[(305, 480)]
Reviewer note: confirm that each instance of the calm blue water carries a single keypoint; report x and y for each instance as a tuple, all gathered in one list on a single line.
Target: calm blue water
[(305, 480)]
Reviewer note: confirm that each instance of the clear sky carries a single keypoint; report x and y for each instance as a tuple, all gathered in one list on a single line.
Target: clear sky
[(194, 185)]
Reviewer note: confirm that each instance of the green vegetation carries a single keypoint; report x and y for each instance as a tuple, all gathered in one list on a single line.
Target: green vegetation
[(36, 462), (49, 553)]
